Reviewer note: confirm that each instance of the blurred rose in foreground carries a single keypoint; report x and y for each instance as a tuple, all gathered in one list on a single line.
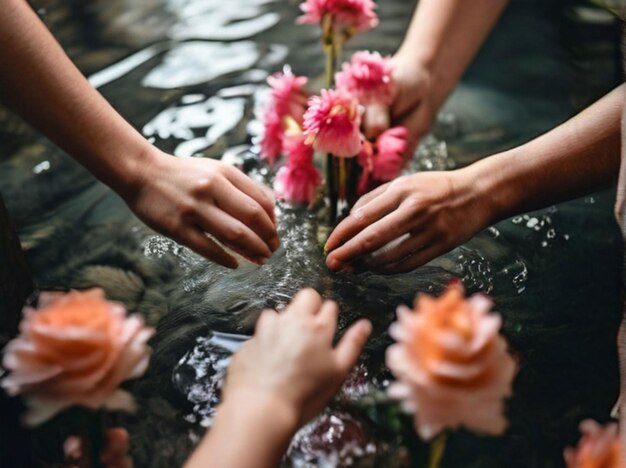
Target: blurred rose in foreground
[(75, 349), (598, 447), (452, 365)]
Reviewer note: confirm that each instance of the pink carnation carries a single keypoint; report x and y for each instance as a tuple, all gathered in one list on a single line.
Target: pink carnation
[(369, 77), (287, 101), (382, 161), (452, 365), (297, 182), (350, 16), (331, 123)]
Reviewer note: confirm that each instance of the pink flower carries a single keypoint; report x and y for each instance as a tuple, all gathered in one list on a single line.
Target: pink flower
[(369, 77), (288, 95), (297, 182), (599, 447), (76, 349), (383, 161), (272, 139), (331, 123), (452, 365), (287, 101), (348, 16)]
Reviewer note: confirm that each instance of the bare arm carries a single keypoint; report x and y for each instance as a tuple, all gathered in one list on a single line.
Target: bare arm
[(182, 198), (443, 38), (438, 211)]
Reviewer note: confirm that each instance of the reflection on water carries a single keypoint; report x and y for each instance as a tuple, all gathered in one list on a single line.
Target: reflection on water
[(189, 73), (195, 62)]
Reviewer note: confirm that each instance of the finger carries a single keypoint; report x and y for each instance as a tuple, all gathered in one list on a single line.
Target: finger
[(397, 252), (248, 211), (233, 233), (265, 321), (254, 190), (351, 344), (372, 238), (327, 316), (197, 240), (359, 219), (375, 120), (307, 302), (369, 196), (411, 263)]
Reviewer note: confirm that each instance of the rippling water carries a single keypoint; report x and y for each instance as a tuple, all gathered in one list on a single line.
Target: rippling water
[(189, 74)]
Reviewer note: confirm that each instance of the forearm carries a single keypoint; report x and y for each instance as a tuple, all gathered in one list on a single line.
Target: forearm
[(576, 158), (445, 35), (39, 82), (247, 431)]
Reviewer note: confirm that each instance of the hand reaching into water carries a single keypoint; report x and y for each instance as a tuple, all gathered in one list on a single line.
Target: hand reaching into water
[(181, 198), (425, 214), (291, 357), (285, 375), (184, 198), (412, 105)]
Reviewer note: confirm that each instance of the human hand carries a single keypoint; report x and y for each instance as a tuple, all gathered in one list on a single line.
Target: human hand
[(412, 107), (291, 360), (425, 214), (187, 198)]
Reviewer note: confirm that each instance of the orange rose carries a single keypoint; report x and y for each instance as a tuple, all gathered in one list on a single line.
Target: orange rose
[(599, 447), (76, 349), (452, 365)]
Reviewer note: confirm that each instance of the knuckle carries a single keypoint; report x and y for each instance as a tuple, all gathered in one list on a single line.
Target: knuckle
[(254, 213), (369, 240), (186, 208), (234, 234)]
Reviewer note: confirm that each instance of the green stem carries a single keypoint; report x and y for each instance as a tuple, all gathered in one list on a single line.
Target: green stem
[(96, 438), (330, 50), (437, 448)]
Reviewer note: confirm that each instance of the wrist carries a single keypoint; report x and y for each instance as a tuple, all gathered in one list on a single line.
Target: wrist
[(495, 186), (133, 170), (281, 417)]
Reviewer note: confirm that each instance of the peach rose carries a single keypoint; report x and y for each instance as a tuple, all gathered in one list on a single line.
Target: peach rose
[(452, 365), (599, 447), (76, 349)]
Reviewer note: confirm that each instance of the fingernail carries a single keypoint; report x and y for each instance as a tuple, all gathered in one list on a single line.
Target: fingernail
[(333, 264)]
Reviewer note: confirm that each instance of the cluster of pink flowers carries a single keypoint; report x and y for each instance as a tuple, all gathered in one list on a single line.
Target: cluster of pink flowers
[(297, 126)]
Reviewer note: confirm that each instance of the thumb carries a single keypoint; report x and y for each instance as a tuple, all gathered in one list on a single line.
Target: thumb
[(376, 120), (351, 344)]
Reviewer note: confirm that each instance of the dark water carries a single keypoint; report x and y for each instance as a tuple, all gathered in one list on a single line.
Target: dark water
[(187, 73)]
